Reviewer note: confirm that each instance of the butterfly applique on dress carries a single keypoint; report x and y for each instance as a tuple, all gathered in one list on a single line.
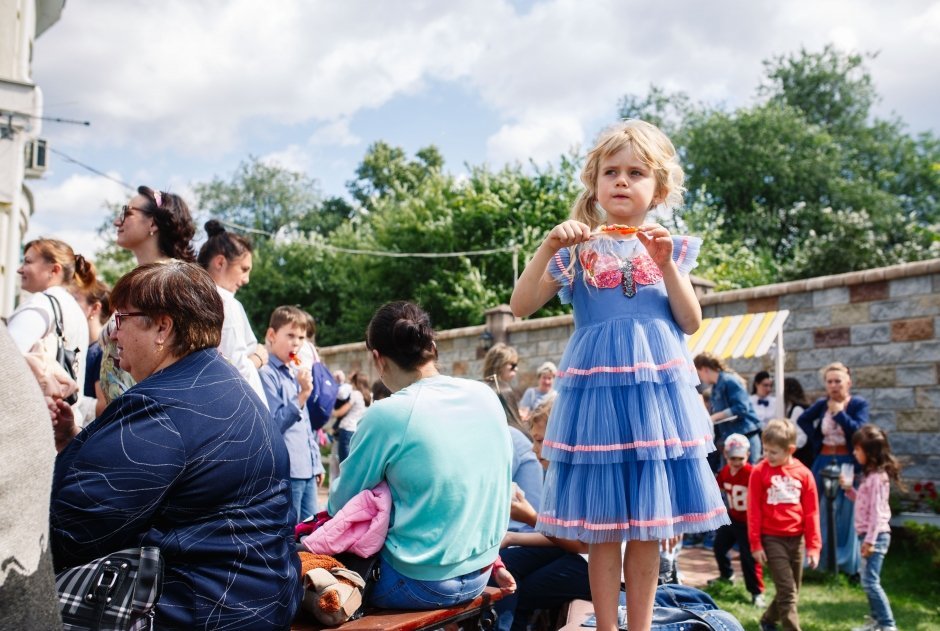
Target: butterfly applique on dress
[(606, 271)]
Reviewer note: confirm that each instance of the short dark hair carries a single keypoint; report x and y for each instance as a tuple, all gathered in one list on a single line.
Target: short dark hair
[(180, 290), (402, 332), (760, 376)]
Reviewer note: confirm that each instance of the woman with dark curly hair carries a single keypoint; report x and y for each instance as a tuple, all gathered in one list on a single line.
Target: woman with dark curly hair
[(155, 226)]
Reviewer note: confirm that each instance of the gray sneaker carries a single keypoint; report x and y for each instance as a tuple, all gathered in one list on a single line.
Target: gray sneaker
[(870, 625)]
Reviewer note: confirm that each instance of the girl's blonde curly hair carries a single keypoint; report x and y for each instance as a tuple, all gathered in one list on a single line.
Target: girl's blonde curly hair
[(651, 146)]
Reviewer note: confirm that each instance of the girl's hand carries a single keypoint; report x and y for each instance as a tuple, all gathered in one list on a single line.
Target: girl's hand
[(658, 243), (867, 549), (568, 233), (759, 556)]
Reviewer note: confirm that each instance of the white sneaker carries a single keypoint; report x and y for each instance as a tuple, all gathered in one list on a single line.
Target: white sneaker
[(870, 625), (758, 601)]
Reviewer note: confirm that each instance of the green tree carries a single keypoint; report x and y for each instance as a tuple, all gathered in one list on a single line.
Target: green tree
[(784, 185), (261, 196), (112, 261)]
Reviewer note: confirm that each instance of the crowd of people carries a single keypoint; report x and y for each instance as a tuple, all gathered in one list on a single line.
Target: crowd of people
[(176, 428)]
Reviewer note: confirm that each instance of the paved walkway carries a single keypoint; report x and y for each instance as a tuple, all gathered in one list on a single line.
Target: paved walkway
[(697, 565)]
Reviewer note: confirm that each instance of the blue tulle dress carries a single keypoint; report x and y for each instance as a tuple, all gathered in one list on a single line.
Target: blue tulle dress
[(628, 435)]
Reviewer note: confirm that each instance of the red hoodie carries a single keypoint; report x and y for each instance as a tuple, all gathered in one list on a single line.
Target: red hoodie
[(783, 502)]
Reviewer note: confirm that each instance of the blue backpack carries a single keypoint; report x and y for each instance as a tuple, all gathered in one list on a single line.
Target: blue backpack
[(325, 389)]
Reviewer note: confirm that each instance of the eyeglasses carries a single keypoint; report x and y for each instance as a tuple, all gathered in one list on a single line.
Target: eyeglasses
[(120, 315), (125, 209)]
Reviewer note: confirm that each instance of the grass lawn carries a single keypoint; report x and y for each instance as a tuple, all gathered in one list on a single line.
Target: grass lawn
[(830, 603)]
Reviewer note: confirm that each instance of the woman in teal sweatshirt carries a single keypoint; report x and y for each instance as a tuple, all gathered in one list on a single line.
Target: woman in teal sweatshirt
[(443, 447)]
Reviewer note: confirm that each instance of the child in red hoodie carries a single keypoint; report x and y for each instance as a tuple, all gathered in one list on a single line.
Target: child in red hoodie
[(783, 508), (733, 479)]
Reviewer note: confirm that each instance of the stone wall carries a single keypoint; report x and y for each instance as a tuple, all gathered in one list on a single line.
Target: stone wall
[(882, 323)]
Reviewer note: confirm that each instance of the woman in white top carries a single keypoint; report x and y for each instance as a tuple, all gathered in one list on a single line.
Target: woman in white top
[(49, 269), (351, 412), (762, 399), (227, 257)]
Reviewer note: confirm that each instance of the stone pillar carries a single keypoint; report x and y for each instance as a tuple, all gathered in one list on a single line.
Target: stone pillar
[(497, 322)]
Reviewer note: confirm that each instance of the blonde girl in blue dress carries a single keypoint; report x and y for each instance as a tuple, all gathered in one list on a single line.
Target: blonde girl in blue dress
[(628, 436)]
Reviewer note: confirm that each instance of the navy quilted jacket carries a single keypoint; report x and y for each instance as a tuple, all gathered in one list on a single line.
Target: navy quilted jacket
[(189, 461)]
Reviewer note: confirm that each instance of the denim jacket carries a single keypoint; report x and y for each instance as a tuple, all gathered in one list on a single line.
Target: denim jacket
[(728, 393)]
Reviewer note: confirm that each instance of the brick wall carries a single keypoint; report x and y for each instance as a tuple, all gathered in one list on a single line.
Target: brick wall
[(882, 323)]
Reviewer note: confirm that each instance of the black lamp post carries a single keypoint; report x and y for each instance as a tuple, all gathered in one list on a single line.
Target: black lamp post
[(830, 477), (486, 340)]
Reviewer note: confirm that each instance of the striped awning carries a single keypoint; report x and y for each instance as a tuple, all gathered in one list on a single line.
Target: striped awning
[(746, 335)]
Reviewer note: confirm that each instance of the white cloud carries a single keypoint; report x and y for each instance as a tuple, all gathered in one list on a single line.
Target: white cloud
[(540, 137), (291, 157), (74, 209), (336, 133), (192, 76)]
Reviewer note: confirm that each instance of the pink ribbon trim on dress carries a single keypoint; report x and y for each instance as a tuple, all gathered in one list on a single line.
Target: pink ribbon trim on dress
[(586, 372), (562, 269), (634, 445), (635, 523), (683, 251)]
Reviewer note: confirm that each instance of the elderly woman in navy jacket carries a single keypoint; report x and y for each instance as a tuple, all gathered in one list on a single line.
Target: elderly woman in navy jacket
[(729, 400), (186, 460), (829, 425)]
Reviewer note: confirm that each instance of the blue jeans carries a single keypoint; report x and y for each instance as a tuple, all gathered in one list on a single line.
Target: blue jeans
[(546, 578), (847, 551), (303, 494), (871, 580), (394, 590), (343, 438)]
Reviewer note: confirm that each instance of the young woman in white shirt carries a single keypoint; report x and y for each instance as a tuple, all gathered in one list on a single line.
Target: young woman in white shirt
[(228, 259), (49, 269)]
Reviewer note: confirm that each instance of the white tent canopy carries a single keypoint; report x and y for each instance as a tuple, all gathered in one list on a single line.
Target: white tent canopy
[(745, 335)]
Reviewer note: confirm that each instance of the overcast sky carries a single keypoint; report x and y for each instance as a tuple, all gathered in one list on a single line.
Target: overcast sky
[(179, 91)]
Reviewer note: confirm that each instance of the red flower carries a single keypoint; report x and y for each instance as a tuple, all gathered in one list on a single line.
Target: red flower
[(918, 487)]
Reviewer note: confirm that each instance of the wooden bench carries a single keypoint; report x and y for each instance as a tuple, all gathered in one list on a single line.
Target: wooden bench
[(578, 612), (476, 614)]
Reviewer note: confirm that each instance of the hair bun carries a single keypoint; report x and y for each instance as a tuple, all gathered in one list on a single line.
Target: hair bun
[(214, 227)]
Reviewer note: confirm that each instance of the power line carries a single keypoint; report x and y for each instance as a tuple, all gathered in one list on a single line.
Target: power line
[(399, 255), (69, 158), (52, 119)]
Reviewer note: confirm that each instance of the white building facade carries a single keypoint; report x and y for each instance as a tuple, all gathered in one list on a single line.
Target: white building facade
[(22, 152)]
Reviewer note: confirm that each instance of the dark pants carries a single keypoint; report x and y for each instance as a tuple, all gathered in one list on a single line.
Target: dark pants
[(546, 578), (785, 562), (343, 438), (727, 536)]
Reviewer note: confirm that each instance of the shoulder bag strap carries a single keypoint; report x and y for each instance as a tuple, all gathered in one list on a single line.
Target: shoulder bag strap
[(56, 315)]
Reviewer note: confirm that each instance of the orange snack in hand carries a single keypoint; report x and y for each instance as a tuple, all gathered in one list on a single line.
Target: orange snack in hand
[(618, 227)]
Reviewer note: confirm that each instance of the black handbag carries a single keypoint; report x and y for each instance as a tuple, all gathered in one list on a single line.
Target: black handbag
[(66, 358), (368, 569), (118, 592)]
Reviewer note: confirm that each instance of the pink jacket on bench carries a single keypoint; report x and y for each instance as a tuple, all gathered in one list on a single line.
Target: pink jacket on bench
[(359, 527)]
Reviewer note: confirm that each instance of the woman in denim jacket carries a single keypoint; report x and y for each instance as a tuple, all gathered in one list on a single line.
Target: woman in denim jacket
[(729, 400)]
